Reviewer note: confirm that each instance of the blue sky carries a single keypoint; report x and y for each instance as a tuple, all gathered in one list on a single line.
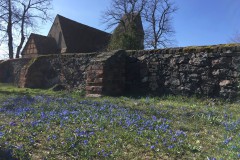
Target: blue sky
[(197, 22)]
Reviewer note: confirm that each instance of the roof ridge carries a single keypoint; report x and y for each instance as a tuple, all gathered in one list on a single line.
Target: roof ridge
[(35, 34), (60, 16)]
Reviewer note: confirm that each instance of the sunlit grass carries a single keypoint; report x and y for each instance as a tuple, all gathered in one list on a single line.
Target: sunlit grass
[(38, 125)]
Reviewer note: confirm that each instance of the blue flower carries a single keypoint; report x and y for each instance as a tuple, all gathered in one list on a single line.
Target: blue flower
[(173, 139), (211, 158), (227, 140), (43, 115), (1, 134), (64, 112), (12, 124), (154, 118), (171, 146), (54, 137), (31, 141), (179, 133), (85, 142), (105, 155)]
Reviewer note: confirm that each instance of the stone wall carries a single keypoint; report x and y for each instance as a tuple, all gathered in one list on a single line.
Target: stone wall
[(210, 71), (10, 70), (67, 70)]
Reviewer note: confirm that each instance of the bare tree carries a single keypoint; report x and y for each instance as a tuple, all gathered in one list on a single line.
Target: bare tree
[(30, 11), (9, 20), (20, 16), (3, 14), (235, 38), (6, 19), (119, 8), (157, 14), (126, 14)]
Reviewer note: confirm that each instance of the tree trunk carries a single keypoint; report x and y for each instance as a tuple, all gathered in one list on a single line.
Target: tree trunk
[(9, 31), (20, 47), (22, 36)]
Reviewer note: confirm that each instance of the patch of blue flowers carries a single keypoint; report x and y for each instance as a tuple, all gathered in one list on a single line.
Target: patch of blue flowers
[(231, 140), (65, 127)]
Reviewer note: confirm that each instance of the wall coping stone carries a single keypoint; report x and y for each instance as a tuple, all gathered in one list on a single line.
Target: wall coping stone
[(225, 49)]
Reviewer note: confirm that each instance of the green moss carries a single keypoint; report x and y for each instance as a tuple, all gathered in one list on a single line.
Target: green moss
[(230, 45), (211, 48), (30, 62)]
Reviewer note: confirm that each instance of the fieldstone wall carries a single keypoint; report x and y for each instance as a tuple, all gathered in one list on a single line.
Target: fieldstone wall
[(10, 70), (67, 70), (210, 71), (97, 73)]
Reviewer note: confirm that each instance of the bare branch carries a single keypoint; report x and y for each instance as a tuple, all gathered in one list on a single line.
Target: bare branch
[(20, 17), (157, 14), (32, 9), (235, 38), (118, 8)]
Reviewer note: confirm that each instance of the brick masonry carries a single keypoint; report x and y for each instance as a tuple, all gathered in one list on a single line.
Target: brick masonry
[(106, 74)]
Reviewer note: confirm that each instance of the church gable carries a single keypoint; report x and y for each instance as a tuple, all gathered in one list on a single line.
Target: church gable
[(74, 37), (30, 49), (57, 33), (39, 45), (67, 36)]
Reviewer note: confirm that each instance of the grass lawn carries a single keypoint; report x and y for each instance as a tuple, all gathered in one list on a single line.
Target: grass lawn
[(41, 124)]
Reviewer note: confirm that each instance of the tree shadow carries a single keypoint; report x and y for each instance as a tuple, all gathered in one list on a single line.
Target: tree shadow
[(6, 155), (15, 93)]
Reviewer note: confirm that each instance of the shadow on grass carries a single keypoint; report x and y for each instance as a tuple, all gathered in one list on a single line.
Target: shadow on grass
[(28, 91), (15, 93), (6, 155), (177, 96)]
